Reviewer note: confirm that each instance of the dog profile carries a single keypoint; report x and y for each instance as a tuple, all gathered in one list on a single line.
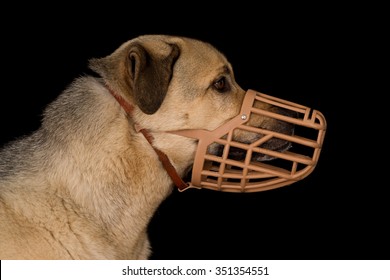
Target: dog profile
[(86, 184)]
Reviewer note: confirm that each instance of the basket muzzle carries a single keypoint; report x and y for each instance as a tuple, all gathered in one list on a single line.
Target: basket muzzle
[(260, 166)]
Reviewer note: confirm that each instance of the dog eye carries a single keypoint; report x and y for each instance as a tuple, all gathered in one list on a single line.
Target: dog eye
[(221, 85)]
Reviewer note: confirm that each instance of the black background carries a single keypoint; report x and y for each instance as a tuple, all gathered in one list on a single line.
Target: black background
[(339, 212)]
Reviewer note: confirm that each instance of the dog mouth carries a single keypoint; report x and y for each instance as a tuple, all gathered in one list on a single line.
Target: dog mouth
[(239, 154), (273, 144)]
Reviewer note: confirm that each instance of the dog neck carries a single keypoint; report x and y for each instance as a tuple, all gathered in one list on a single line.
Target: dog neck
[(179, 183)]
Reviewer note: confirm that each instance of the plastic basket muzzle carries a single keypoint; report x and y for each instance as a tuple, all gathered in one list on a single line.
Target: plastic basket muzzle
[(224, 173)]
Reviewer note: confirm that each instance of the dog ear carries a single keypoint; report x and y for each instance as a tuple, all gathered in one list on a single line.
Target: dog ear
[(149, 76)]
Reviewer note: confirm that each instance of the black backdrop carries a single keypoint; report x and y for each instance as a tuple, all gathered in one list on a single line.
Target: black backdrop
[(338, 212)]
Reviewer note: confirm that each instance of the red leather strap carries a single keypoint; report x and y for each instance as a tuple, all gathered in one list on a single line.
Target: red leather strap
[(180, 184)]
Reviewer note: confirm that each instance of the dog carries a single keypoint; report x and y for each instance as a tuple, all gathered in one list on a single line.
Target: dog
[(86, 184)]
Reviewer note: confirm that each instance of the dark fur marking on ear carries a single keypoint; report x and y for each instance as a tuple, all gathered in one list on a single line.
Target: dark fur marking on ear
[(150, 76)]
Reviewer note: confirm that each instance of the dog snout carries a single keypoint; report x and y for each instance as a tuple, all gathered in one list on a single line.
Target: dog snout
[(280, 126), (267, 123), (276, 125)]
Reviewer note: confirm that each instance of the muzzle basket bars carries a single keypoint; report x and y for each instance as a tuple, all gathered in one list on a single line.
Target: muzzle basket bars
[(224, 173)]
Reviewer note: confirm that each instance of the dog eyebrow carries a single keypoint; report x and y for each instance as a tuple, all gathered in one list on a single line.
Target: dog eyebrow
[(225, 70)]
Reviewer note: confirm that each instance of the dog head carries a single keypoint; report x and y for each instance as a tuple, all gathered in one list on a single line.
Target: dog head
[(179, 83)]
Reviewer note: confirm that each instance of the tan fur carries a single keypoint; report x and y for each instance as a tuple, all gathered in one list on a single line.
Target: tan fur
[(85, 185)]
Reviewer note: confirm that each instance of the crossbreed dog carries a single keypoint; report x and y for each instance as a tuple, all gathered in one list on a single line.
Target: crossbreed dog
[(86, 183)]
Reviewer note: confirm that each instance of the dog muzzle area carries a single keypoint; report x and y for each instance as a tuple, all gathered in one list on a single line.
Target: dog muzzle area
[(277, 155)]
